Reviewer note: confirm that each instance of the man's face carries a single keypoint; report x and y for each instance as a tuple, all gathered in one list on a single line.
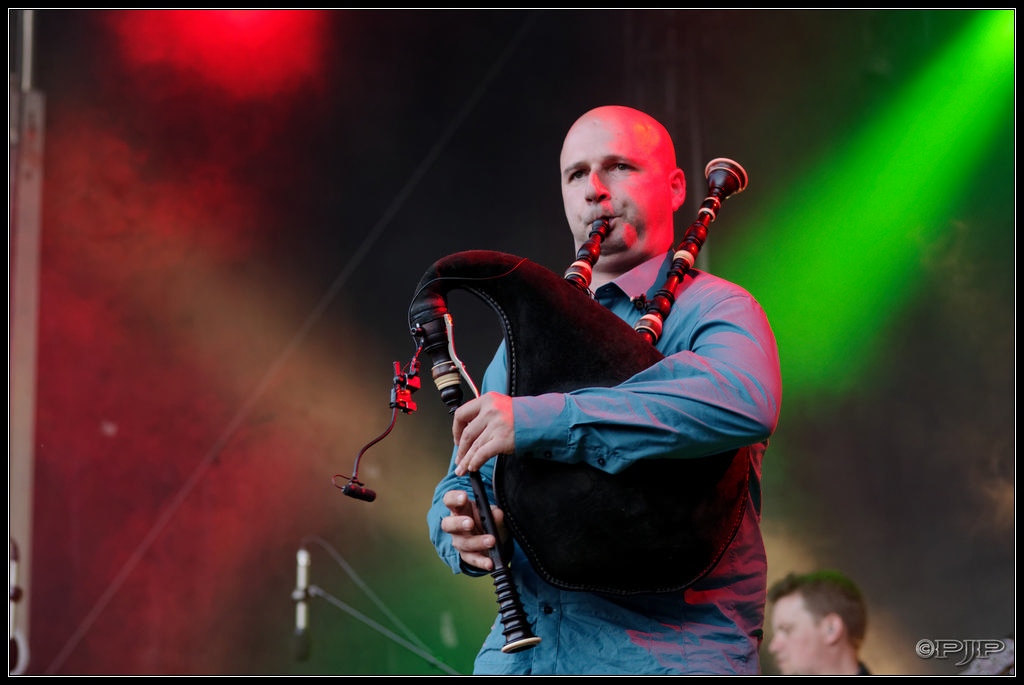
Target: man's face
[(617, 165), (799, 640)]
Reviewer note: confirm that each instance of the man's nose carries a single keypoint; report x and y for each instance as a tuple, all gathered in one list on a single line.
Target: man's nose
[(596, 190)]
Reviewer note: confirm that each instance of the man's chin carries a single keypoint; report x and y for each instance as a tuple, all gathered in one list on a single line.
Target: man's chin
[(785, 669)]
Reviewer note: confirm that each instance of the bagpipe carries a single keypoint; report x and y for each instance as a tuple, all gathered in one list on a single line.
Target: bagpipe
[(657, 526)]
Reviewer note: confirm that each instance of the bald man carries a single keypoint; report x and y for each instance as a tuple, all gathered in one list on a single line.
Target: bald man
[(718, 388)]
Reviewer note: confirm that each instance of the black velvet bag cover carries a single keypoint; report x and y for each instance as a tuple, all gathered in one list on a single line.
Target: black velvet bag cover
[(658, 526)]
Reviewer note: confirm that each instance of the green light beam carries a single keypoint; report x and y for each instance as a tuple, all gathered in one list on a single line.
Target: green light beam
[(838, 268)]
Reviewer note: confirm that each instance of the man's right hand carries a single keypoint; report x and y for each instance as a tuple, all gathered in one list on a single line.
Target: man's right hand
[(468, 538)]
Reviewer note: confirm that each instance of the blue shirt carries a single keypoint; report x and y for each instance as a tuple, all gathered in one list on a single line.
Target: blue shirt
[(718, 388)]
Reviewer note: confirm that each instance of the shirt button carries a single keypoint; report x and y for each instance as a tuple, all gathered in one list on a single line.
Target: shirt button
[(548, 609)]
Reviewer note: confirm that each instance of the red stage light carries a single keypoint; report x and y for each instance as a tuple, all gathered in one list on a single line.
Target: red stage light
[(248, 53)]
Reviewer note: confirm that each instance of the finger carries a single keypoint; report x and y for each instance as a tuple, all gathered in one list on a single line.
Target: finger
[(476, 455), (476, 544), (494, 440), (475, 549), (480, 561), (458, 525), (458, 502), (462, 417), (470, 434)]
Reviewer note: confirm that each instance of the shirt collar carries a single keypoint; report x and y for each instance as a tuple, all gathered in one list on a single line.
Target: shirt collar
[(641, 279)]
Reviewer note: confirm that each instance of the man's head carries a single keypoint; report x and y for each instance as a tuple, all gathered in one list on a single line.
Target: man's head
[(618, 163), (819, 621)]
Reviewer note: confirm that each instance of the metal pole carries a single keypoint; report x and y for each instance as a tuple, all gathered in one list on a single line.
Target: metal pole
[(25, 145)]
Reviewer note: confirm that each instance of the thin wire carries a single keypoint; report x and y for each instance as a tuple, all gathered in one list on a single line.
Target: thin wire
[(318, 592), (354, 478), (371, 237), (338, 559)]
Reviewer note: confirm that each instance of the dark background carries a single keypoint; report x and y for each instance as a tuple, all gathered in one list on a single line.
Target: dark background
[(231, 231)]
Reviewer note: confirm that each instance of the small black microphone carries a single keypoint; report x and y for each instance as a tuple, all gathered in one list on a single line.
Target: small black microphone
[(359, 492)]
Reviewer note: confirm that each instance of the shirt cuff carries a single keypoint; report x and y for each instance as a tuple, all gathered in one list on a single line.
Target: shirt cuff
[(534, 417)]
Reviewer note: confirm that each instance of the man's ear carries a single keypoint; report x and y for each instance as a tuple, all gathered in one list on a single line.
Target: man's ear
[(833, 628), (677, 185)]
